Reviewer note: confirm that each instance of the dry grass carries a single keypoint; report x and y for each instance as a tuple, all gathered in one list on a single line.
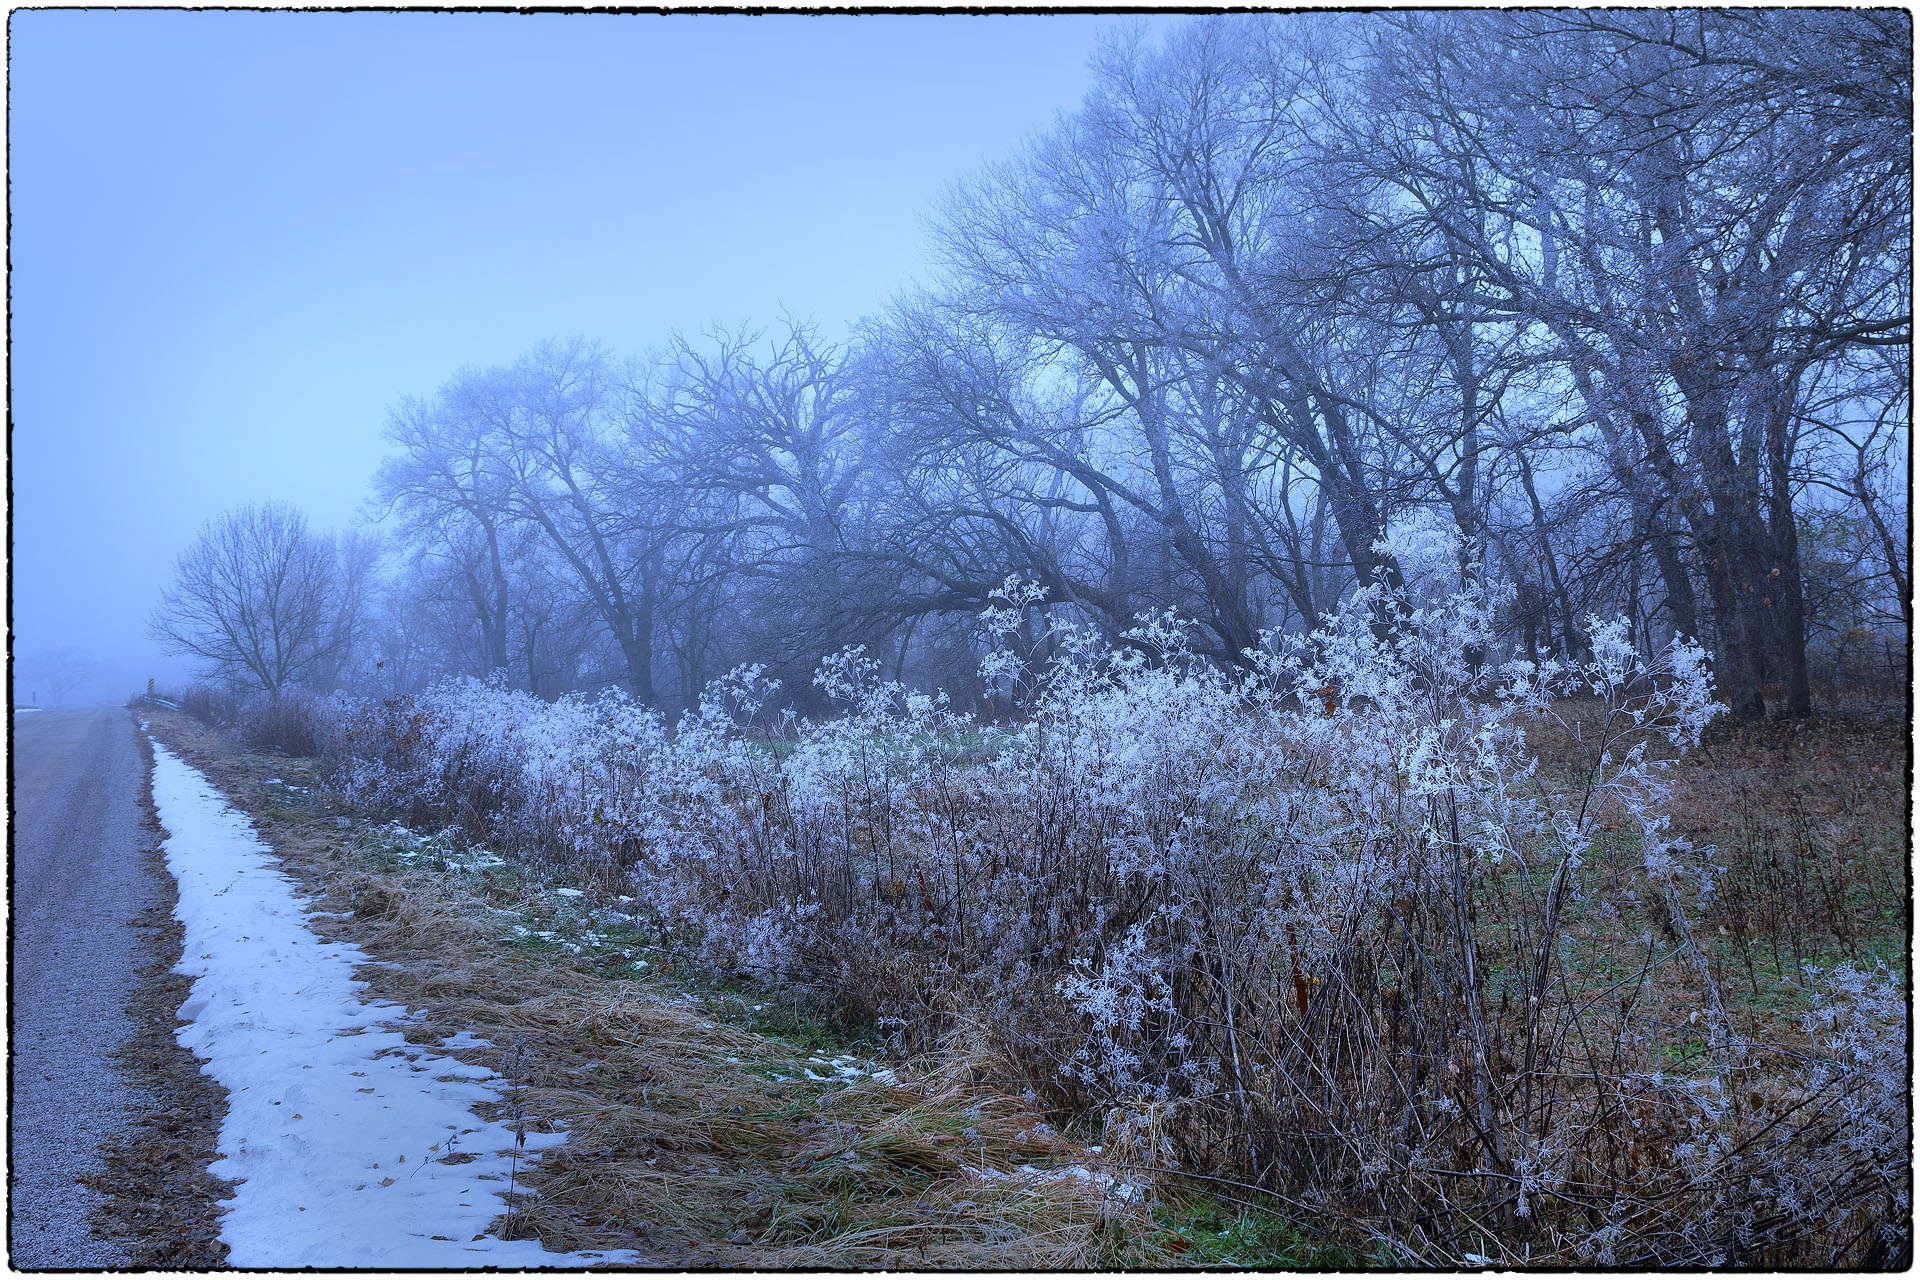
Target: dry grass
[(1810, 823), (682, 1144)]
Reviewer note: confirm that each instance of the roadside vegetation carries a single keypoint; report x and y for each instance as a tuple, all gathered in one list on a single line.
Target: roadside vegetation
[(710, 1123), (1335, 940)]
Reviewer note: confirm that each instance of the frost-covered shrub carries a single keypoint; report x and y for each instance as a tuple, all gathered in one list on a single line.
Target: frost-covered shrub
[(1827, 1146), (1316, 922), (567, 780)]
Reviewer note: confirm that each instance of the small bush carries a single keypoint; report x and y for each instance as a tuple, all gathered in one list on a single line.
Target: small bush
[(208, 705), (287, 723)]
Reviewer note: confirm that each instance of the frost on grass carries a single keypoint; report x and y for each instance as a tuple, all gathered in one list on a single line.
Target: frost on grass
[(1314, 919), (337, 1130)]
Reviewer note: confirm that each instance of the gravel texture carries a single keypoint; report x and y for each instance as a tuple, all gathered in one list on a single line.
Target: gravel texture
[(79, 879)]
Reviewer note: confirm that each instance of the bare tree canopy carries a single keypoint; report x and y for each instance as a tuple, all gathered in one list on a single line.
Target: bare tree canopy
[(262, 602), (1621, 299), (55, 672)]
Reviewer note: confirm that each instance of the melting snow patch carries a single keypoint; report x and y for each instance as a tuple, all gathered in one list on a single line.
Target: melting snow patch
[(465, 1040), (335, 1142), (1124, 1192)]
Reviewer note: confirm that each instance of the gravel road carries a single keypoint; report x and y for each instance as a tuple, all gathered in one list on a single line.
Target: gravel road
[(78, 880)]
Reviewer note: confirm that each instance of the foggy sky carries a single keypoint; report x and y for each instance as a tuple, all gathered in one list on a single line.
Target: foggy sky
[(239, 238)]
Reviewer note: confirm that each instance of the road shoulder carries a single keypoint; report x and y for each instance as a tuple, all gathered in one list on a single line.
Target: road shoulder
[(79, 880), (161, 1205)]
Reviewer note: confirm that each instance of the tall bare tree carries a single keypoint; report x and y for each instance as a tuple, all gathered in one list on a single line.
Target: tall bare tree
[(262, 602)]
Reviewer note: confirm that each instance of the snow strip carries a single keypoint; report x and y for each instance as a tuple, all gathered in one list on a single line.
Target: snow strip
[(335, 1126)]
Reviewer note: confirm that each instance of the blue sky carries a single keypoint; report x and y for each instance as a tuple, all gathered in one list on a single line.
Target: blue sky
[(238, 238)]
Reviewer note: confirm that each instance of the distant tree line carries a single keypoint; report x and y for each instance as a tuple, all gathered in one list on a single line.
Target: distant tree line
[(1622, 296)]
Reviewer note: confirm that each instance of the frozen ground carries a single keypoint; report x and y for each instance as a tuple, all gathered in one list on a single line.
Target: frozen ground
[(337, 1130)]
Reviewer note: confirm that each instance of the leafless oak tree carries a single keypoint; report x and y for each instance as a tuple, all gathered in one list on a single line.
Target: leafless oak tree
[(263, 602)]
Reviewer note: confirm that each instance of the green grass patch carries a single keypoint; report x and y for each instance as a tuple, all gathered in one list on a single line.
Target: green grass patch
[(1204, 1232)]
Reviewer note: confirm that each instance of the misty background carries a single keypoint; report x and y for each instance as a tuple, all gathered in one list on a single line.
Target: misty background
[(239, 239), (677, 345)]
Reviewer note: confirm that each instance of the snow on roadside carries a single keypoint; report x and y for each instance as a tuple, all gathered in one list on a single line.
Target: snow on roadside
[(336, 1127), (1116, 1189)]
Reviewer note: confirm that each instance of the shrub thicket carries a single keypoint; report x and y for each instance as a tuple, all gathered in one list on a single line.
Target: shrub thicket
[(1315, 925)]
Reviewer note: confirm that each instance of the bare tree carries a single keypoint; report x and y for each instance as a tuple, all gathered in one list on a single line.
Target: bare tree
[(1703, 211), (57, 672), (572, 473), (450, 492), (761, 439), (261, 601)]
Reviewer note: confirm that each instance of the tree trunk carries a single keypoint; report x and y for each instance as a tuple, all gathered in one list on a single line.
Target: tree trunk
[(1788, 601), (1722, 504), (1683, 609), (1737, 665)]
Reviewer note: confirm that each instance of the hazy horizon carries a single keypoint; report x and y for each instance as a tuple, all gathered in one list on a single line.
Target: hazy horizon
[(239, 238)]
